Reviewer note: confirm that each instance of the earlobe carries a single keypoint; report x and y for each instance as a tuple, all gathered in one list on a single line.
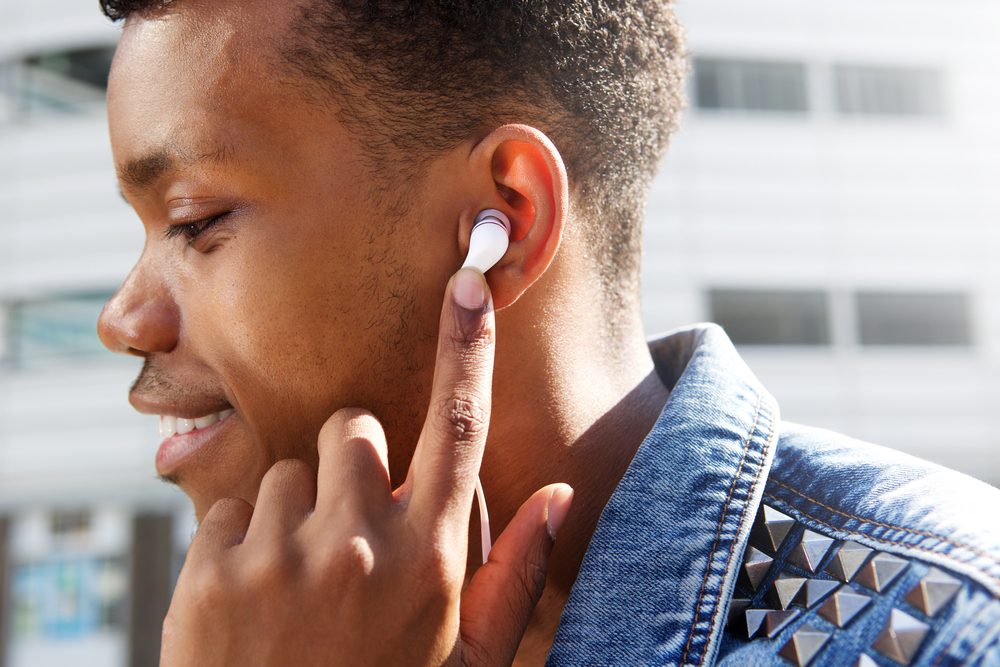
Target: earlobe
[(531, 187)]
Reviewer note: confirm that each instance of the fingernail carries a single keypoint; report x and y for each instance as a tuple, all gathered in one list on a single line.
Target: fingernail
[(559, 504), (469, 290)]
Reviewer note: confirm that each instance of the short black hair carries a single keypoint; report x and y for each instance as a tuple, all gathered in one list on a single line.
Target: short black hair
[(603, 79)]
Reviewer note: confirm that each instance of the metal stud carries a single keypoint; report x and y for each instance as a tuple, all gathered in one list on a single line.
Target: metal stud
[(843, 607), (815, 590), (864, 661), (901, 637), (784, 589), (933, 592), (768, 621), (881, 571), (756, 563), (848, 560), (804, 645), (810, 550), (755, 621), (736, 608), (772, 527)]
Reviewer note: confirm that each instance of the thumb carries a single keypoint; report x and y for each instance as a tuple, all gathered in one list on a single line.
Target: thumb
[(499, 600)]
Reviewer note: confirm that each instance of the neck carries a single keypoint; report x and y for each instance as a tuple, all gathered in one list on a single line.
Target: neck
[(565, 410)]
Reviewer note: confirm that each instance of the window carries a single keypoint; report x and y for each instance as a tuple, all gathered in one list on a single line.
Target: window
[(888, 91), (772, 317), (750, 85), (67, 597), (57, 82), (888, 318), (53, 329)]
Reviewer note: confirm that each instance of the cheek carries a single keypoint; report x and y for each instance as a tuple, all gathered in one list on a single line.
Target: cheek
[(291, 335), (300, 330)]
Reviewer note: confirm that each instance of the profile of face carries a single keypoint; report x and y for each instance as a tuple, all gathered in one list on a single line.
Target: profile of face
[(277, 282), (282, 277)]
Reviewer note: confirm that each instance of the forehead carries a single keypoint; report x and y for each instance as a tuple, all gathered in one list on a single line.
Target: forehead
[(198, 76)]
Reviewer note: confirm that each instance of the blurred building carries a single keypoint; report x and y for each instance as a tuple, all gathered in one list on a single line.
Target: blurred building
[(89, 539), (831, 200)]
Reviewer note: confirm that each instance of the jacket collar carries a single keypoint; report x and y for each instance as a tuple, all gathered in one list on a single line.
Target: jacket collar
[(655, 583)]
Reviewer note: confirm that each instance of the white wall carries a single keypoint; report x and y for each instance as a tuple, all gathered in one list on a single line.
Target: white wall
[(842, 204), (67, 434)]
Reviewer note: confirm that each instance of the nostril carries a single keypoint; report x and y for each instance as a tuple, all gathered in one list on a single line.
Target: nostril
[(138, 322)]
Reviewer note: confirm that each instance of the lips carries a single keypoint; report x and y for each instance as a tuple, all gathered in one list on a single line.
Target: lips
[(170, 425), (186, 436)]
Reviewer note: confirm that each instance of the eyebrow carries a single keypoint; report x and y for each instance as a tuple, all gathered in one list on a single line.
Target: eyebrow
[(142, 172)]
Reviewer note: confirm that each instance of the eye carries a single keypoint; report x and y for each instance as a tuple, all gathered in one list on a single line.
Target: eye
[(192, 230)]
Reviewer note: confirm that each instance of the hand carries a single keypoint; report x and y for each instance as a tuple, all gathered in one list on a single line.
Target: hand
[(344, 570)]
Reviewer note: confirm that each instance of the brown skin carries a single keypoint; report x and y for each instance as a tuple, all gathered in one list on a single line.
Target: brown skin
[(309, 297)]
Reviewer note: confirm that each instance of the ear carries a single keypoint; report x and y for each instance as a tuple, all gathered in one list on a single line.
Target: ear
[(529, 184)]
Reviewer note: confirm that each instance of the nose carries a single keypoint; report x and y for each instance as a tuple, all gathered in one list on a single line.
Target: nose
[(141, 318)]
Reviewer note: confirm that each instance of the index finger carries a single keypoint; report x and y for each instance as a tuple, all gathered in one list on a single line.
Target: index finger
[(450, 450)]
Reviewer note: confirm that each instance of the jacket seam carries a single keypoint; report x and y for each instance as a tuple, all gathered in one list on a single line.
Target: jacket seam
[(895, 543), (756, 478), (718, 533), (911, 531)]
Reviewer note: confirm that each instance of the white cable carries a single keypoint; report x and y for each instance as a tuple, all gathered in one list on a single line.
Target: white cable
[(484, 521)]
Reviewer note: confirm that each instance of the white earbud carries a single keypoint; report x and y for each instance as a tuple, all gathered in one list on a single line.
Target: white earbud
[(489, 240)]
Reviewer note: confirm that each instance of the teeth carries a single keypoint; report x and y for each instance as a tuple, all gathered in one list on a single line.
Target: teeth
[(208, 420), (170, 425)]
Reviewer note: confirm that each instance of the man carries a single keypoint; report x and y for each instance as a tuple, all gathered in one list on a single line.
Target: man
[(307, 173)]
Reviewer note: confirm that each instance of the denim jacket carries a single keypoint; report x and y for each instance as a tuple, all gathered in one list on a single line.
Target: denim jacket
[(737, 539)]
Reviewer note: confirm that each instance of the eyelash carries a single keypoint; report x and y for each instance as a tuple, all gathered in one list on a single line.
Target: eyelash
[(192, 230)]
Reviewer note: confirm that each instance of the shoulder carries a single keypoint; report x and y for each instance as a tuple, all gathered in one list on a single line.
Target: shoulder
[(864, 555), (845, 486)]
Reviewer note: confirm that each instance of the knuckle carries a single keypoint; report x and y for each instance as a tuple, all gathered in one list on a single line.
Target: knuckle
[(226, 520), (271, 568), (290, 467), (346, 561), (286, 470), (474, 652), (210, 584), (357, 556), (441, 568), (532, 578), (466, 417), (472, 339), (227, 509), (347, 420)]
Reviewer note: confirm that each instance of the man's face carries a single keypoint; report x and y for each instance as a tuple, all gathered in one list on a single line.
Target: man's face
[(304, 296)]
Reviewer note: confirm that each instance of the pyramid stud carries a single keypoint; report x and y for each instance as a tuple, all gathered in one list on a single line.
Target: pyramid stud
[(848, 560), (736, 608), (755, 621), (784, 589), (756, 563), (901, 637), (768, 621), (864, 661), (933, 592), (881, 571), (814, 591), (810, 550), (777, 620), (843, 607), (804, 645), (773, 527)]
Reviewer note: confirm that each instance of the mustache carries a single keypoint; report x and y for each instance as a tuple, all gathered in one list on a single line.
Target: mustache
[(153, 380)]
